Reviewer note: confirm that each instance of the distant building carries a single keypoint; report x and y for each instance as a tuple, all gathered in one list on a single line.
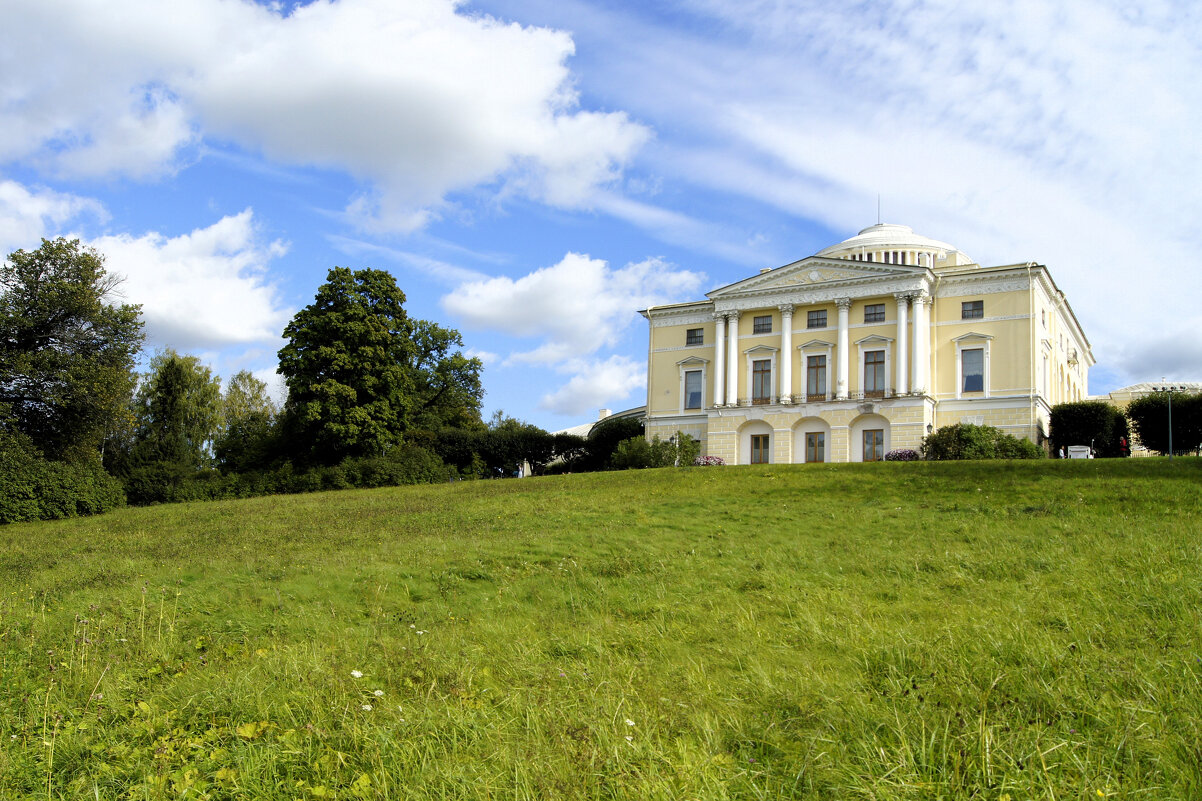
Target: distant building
[(862, 348)]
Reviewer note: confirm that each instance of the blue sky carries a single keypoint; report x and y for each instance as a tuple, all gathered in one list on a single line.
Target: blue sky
[(535, 171)]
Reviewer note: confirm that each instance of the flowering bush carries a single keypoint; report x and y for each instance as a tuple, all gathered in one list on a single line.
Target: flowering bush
[(707, 461), (902, 455)]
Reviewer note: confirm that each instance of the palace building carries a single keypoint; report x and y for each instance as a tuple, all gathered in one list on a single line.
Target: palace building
[(863, 348)]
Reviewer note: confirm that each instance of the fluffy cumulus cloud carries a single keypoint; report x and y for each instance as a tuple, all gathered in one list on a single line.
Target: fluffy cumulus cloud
[(415, 99), (575, 307), (27, 215), (593, 383), (572, 310), (207, 289)]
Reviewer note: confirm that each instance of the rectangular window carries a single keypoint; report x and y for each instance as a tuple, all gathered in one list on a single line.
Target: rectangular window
[(816, 319), (761, 381), (972, 370), (815, 446), (874, 313), (874, 445), (762, 325), (694, 336), (874, 374), (692, 389), (816, 378), (972, 310), (759, 449)]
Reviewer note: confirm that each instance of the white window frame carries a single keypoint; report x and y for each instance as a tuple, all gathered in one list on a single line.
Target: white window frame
[(817, 347), (972, 341), (759, 353), (876, 342), (684, 366)]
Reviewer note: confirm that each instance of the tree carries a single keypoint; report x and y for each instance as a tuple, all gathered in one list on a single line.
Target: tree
[(1089, 422), (1149, 417), (349, 390), (360, 372), (177, 412), (446, 384), (67, 350), (247, 437)]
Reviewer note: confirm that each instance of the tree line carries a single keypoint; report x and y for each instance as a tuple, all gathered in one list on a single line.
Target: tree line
[(374, 397)]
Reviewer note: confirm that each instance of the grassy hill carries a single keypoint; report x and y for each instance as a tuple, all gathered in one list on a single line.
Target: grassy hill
[(985, 631)]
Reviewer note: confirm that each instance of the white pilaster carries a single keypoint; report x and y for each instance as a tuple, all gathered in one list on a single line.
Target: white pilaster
[(719, 359), (844, 305), (903, 373), (786, 353), (732, 367)]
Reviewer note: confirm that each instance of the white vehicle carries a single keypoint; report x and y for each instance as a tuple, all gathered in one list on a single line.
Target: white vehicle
[(1080, 452)]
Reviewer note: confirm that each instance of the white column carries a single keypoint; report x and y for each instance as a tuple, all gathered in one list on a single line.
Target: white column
[(922, 334), (719, 359), (903, 374), (786, 353), (844, 305), (732, 366)]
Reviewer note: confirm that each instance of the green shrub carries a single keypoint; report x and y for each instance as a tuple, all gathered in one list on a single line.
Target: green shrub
[(967, 441), (34, 488)]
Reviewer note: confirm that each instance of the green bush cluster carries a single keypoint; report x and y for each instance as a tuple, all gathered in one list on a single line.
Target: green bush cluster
[(637, 452), (35, 488), (968, 441), (402, 466)]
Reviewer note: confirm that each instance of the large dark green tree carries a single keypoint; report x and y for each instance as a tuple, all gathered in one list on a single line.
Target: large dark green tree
[(67, 349), (1149, 418), (360, 372), (1094, 423)]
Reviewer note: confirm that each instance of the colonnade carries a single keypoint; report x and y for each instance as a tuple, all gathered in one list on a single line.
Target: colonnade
[(912, 357)]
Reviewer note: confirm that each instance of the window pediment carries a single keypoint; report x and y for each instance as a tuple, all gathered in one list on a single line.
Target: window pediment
[(972, 335), (692, 361), (875, 339), (816, 344), (761, 350)]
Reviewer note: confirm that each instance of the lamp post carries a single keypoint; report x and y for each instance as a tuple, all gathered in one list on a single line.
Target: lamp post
[(1170, 389)]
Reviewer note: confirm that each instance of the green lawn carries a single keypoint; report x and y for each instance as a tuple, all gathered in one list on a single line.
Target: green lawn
[(988, 631)]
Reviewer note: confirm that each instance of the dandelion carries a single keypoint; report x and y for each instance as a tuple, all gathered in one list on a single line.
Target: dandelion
[(378, 693), (356, 674), (366, 707)]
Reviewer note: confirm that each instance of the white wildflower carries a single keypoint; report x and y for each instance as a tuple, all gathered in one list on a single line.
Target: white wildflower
[(378, 693), (366, 707), (356, 674)]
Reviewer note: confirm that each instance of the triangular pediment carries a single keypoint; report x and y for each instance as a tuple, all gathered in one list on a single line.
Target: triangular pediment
[(813, 272)]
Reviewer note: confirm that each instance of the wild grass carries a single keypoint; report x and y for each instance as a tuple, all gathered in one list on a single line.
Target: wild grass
[(889, 631)]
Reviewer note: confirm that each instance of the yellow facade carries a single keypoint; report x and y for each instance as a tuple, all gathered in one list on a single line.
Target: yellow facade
[(862, 349)]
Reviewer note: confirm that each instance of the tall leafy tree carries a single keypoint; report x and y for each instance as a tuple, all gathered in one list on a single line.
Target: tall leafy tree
[(346, 364), (67, 348), (177, 411), (447, 387), (246, 440), (361, 372)]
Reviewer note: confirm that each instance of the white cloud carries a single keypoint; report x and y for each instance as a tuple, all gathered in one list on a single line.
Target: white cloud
[(415, 99), (576, 306), (596, 384), (204, 289), (27, 215)]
